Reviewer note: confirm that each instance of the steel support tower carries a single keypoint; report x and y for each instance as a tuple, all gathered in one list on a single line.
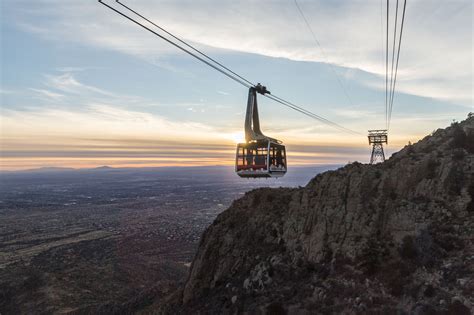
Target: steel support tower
[(377, 138)]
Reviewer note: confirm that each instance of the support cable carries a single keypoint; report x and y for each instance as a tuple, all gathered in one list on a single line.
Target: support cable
[(322, 51), (398, 58), (183, 42), (310, 114), (386, 70), (178, 46), (393, 60), (232, 75), (382, 34)]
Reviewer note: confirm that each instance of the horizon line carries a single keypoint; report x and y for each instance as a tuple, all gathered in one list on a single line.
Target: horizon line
[(107, 167)]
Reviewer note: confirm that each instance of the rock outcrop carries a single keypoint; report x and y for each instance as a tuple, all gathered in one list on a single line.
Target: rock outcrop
[(396, 237)]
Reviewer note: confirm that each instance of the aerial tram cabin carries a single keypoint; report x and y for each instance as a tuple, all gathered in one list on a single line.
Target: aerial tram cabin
[(260, 156), (260, 159)]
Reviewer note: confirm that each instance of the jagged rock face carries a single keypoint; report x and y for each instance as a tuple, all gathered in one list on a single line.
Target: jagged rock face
[(392, 237)]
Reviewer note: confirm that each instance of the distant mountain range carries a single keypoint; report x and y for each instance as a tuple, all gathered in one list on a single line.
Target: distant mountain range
[(45, 170), (57, 169)]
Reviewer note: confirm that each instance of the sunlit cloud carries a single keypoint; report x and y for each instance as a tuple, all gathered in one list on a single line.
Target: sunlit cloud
[(97, 127), (349, 32), (356, 113), (68, 83), (5, 91), (71, 69), (48, 94), (66, 118), (107, 130)]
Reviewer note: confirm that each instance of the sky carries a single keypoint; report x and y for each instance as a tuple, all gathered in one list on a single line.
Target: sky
[(83, 87)]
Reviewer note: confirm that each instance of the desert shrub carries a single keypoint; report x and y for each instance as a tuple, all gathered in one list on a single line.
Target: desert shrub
[(462, 139), (33, 279), (470, 142), (427, 250), (368, 187), (6, 296), (388, 189), (424, 309), (458, 308), (395, 276), (276, 308), (256, 200), (459, 137), (470, 205), (407, 249), (393, 195), (429, 291), (373, 254), (458, 154), (409, 149), (454, 181), (430, 168), (446, 238), (421, 250)]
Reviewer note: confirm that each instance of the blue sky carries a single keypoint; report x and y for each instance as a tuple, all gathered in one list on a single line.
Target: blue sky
[(83, 87)]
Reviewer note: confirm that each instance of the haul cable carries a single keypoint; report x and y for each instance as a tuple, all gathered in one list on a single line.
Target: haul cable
[(396, 67), (219, 66), (322, 51)]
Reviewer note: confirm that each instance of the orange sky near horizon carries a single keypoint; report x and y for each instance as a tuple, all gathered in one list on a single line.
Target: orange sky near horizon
[(22, 154), (115, 95), (120, 139)]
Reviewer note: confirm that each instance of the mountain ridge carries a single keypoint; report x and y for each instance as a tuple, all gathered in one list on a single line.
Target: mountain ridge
[(388, 238)]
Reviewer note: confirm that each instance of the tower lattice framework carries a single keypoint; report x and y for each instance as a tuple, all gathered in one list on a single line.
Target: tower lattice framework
[(377, 138)]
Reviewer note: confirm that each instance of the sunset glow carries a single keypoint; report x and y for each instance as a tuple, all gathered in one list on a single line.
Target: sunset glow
[(113, 95)]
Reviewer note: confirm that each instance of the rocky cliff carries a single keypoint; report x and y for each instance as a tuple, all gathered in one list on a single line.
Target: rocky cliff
[(396, 237)]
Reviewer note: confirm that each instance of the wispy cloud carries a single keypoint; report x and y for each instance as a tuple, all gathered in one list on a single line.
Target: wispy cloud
[(94, 113), (68, 83), (104, 128), (71, 69), (48, 95), (350, 33), (436, 62), (356, 113), (5, 91)]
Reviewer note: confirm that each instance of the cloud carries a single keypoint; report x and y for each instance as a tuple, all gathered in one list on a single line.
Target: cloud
[(84, 109), (5, 91), (48, 95), (66, 88), (72, 69), (68, 83), (99, 120), (69, 107), (103, 128), (356, 113), (84, 126), (436, 57), (102, 134)]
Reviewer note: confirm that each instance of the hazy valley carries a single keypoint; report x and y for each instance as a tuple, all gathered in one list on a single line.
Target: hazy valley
[(89, 239)]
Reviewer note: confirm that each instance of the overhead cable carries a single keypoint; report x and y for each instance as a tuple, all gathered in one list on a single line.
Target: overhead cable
[(386, 69), (219, 66), (393, 59), (322, 51), (178, 46), (310, 114), (183, 42), (396, 67)]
